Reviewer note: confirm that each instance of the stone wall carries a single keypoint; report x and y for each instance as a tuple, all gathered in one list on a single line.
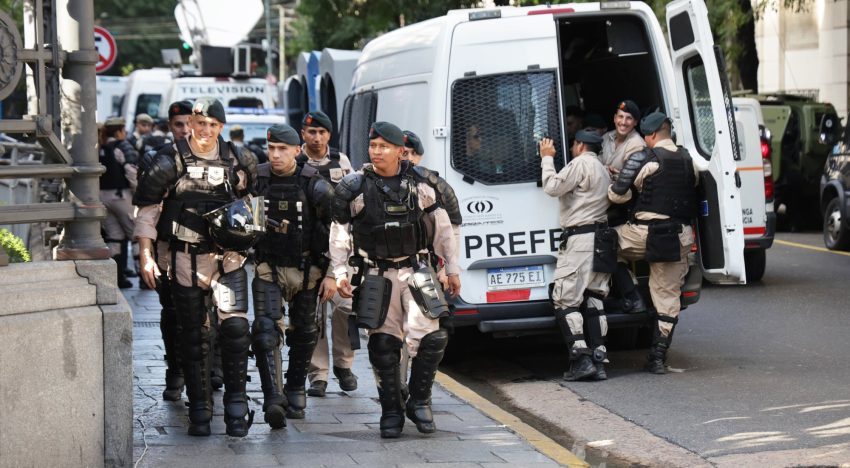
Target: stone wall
[(65, 366)]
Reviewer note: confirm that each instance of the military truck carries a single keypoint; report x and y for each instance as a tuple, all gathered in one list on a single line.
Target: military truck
[(798, 156)]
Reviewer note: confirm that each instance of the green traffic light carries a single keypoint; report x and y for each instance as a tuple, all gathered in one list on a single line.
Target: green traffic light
[(186, 46)]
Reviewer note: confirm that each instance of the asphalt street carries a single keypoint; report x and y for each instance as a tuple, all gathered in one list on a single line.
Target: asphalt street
[(756, 368)]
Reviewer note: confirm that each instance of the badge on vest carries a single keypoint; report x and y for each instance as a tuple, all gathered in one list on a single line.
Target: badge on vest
[(283, 205), (337, 174), (215, 175), (195, 172)]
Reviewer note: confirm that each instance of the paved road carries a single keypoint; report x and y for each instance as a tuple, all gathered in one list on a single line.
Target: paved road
[(760, 368)]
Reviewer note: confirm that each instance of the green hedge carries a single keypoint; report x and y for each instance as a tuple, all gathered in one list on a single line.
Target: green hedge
[(14, 247)]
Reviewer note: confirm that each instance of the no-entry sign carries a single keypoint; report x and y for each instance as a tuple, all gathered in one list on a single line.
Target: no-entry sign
[(104, 43)]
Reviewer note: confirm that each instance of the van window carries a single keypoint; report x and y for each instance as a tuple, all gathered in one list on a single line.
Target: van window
[(363, 110), (148, 104), (345, 125), (496, 123), (249, 102), (699, 102)]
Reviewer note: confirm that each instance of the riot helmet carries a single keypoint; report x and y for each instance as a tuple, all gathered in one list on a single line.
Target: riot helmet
[(238, 225)]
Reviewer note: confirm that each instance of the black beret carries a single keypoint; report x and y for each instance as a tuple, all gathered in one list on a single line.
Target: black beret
[(388, 132), (630, 107), (412, 141), (317, 119), (652, 122), (179, 108), (209, 107), (587, 136), (282, 133), (594, 121)]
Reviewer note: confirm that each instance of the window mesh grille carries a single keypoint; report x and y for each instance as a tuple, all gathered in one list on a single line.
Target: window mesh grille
[(496, 123)]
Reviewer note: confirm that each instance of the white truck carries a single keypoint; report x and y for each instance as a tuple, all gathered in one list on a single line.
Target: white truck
[(482, 87)]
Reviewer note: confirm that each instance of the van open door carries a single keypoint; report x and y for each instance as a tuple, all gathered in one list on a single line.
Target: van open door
[(709, 132)]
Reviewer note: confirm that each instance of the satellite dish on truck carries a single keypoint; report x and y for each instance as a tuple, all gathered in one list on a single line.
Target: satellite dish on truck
[(221, 23)]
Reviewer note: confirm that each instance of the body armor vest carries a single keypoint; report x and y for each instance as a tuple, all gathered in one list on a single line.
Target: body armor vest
[(203, 186), (391, 223), (670, 190), (113, 178), (288, 243), (332, 171)]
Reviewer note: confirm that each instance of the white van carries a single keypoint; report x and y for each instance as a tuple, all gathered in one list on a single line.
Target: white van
[(255, 93), (147, 91), (756, 175), (110, 96), (482, 87)]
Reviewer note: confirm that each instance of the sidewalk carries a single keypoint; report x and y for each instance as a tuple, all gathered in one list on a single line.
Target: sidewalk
[(339, 430)]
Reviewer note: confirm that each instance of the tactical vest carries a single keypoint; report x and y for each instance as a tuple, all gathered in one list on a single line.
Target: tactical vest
[(288, 242), (113, 178), (203, 186), (332, 171), (670, 190), (391, 224)]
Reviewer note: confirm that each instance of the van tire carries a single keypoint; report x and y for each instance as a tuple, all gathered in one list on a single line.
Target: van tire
[(755, 262), (836, 233)]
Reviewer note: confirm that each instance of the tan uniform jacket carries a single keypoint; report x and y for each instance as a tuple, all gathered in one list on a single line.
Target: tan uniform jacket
[(344, 164), (614, 154), (581, 188)]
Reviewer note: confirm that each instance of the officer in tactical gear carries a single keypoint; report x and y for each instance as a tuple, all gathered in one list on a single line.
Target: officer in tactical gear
[(316, 130), (116, 186), (289, 266), (206, 174), (579, 287), (617, 145), (178, 124), (664, 179), (383, 216)]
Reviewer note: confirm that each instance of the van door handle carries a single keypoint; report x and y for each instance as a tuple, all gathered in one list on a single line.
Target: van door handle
[(737, 179)]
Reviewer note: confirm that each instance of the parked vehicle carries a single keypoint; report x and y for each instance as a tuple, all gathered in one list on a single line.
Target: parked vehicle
[(835, 185), (501, 77), (110, 96), (757, 189)]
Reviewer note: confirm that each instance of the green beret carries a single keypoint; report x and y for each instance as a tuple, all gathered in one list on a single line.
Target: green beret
[(282, 133), (587, 136), (388, 132), (209, 107), (412, 141), (179, 108), (629, 107), (652, 122), (317, 119)]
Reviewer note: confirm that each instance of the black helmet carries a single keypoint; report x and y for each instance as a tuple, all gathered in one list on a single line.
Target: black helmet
[(238, 225)]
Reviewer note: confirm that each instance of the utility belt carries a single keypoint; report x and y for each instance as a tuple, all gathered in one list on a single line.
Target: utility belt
[(662, 240), (200, 248), (605, 244)]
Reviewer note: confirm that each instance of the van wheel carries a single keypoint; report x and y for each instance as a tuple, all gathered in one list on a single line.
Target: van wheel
[(636, 337), (755, 262), (836, 234)]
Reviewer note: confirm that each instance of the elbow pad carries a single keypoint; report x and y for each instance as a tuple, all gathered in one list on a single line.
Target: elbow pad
[(156, 180), (629, 173)]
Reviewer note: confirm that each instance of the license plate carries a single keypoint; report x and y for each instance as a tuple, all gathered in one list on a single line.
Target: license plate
[(515, 278)]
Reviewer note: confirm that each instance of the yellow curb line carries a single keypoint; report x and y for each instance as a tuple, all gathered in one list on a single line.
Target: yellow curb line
[(810, 247), (544, 444)]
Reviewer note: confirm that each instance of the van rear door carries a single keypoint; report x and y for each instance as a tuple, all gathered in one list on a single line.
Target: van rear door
[(705, 108)]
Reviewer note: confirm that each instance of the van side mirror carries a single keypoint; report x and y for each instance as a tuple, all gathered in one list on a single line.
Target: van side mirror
[(829, 129)]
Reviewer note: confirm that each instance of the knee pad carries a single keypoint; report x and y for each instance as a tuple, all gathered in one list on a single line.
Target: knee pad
[(267, 300), (434, 342), (302, 311), (384, 350), (231, 291), (190, 304), (235, 336), (264, 334)]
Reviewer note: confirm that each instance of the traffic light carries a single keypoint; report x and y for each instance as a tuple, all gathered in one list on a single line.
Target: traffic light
[(186, 46)]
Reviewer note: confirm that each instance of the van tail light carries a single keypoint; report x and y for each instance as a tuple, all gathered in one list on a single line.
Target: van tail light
[(766, 151), (694, 240)]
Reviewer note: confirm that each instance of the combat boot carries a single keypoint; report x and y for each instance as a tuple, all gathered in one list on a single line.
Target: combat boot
[(235, 341), (599, 356), (655, 360), (274, 403), (422, 372), (318, 388), (347, 379), (384, 355), (173, 385), (581, 366)]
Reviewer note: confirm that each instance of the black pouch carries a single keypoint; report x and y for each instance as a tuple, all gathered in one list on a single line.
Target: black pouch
[(428, 293), (605, 250), (662, 243), (372, 301)]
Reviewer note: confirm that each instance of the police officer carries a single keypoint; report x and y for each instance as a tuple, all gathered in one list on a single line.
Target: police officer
[(143, 126), (316, 130), (390, 211), (206, 174), (120, 159), (289, 266), (579, 288), (178, 124), (617, 145), (664, 178)]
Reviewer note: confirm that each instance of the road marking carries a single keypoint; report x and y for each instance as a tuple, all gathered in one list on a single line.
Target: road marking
[(810, 247), (544, 444)]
